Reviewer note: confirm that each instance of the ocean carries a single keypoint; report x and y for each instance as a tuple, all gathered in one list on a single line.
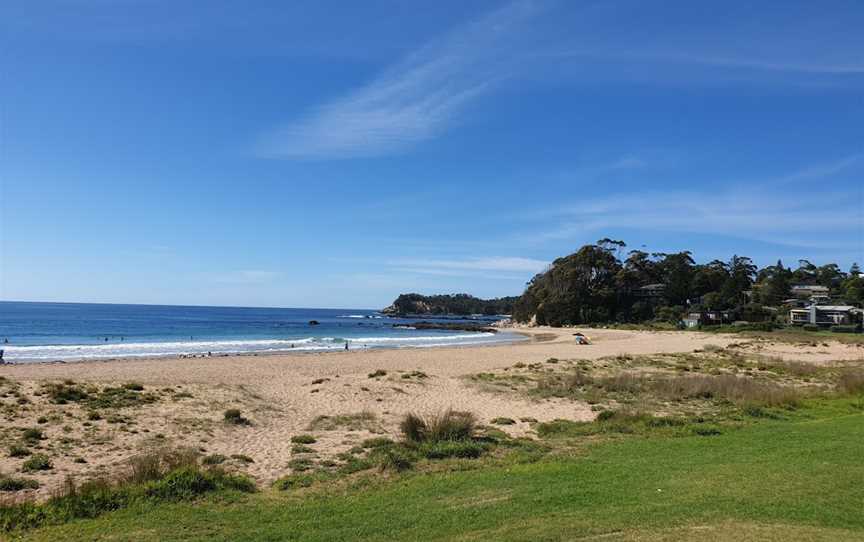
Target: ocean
[(39, 332)]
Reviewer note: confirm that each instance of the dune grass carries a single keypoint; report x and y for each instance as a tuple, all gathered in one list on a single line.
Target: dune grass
[(797, 478)]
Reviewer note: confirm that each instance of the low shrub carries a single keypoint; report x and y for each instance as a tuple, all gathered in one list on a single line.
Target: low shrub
[(299, 480), (503, 421), (301, 464), (377, 442), (37, 462), (164, 482), (810, 327), (845, 329), (233, 416), (446, 449), (303, 439), (33, 434), (16, 450), (133, 386), (242, 458), (377, 373), (214, 459), (395, 459), (8, 483), (302, 449)]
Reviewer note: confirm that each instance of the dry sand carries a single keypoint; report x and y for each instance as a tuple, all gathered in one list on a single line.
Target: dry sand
[(280, 395)]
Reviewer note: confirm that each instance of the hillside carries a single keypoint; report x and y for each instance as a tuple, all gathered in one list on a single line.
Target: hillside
[(449, 305)]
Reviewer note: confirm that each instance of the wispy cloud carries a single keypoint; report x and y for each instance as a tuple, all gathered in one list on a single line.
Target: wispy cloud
[(415, 100), (764, 211), (719, 61)]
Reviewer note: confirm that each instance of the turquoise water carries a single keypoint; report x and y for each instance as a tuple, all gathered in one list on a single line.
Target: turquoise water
[(75, 331)]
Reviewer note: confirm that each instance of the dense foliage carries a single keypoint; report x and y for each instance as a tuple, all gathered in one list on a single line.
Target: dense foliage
[(602, 283), (452, 304)]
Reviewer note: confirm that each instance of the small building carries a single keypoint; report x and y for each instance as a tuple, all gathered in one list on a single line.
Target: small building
[(823, 315), (708, 318), (807, 290)]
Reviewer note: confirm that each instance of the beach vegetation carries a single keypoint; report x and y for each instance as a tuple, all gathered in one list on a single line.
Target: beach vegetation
[(377, 373), (357, 421), (37, 462), (233, 416), (303, 439), (11, 483)]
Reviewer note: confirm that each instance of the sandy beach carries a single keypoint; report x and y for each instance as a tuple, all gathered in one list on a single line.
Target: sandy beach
[(287, 395)]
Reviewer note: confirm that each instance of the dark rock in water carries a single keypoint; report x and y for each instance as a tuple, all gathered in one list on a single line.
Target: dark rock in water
[(314, 322), (461, 326)]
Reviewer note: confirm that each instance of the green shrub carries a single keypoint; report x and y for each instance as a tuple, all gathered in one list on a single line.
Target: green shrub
[(133, 386), (845, 329), (303, 439), (17, 450), (445, 449), (301, 464), (503, 421), (299, 480), (33, 434), (242, 458), (395, 459), (302, 449), (37, 462), (377, 442), (8, 483), (810, 327), (214, 459), (233, 416)]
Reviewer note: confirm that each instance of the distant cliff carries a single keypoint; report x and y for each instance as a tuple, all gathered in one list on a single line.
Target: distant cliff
[(449, 305)]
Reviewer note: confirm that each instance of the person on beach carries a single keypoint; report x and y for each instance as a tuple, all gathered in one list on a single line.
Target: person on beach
[(1, 357), (346, 346)]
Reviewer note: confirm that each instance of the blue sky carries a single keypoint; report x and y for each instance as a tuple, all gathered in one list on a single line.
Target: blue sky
[(335, 154)]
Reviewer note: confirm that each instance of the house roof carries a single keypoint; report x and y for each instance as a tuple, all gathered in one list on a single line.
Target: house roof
[(834, 307)]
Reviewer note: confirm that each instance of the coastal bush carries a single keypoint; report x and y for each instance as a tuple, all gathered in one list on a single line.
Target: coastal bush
[(452, 448), (377, 442), (242, 458), (300, 480), (377, 373), (503, 421), (133, 386), (302, 449), (233, 416), (33, 434), (395, 459), (740, 390), (167, 475), (214, 459), (122, 397), (65, 392), (810, 327), (303, 439), (845, 329), (301, 464), (16, 450), (37, 462), (8, 483)]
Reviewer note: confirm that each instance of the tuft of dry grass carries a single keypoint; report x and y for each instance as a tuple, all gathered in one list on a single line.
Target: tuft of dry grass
[(740, 390), (449, 425), (851, 382)]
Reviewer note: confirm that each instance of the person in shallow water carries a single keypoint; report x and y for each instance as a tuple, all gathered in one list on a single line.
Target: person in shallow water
[(346, 345)]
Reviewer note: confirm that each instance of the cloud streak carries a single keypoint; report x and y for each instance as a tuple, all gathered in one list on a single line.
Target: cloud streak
[(414, 101)]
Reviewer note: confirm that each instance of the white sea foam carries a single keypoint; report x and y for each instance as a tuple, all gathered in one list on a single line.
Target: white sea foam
[(176, 348)]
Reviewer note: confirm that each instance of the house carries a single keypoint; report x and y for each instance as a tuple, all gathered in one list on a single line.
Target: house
[(807, 290), (708, 318), (824, 315)]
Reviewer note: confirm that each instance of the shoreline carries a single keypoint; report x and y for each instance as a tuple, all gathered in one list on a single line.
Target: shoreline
[(516, 333)]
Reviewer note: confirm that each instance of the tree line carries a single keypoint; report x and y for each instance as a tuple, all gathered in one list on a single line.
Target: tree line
[(450, 304), (604, 283)]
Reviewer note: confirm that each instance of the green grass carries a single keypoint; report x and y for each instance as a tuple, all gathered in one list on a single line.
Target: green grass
[(797, 478)]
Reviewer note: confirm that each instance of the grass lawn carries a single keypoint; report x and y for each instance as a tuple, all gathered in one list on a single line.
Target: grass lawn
[(800, 479)]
